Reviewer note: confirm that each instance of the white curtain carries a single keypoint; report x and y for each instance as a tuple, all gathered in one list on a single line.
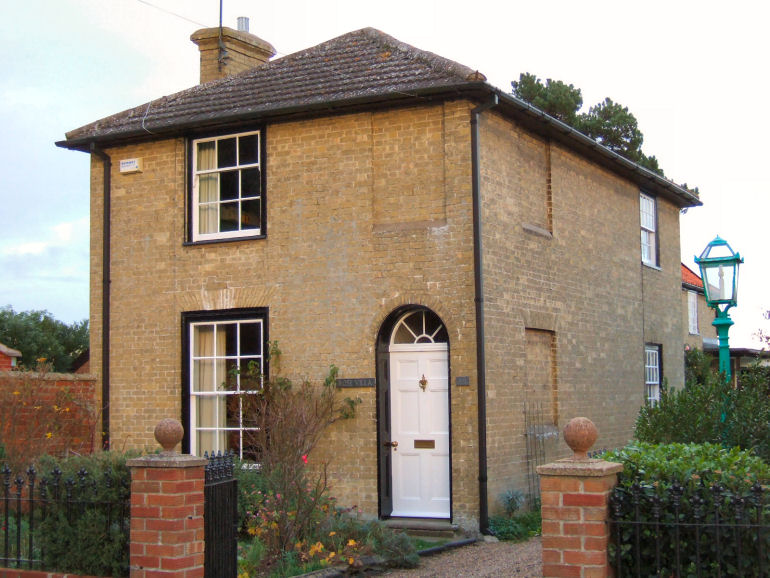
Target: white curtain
[(209, 373), (208, 188)]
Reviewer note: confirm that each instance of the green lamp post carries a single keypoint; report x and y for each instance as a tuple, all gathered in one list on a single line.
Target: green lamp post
[(719, 270)]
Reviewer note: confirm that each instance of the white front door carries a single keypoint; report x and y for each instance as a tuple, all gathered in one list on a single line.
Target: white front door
[(419, 401)]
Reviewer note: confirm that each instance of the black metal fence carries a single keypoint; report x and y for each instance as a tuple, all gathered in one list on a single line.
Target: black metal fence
[(698, 531), (221, 517), (64, 524)]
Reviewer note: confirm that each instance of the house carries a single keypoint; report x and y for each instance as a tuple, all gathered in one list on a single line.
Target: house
[(9, 357), (471, 265), (698, 316)]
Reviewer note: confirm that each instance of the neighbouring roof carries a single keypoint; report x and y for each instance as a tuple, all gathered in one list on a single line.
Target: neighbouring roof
[(358, 70), (10, 352), (690, 279)]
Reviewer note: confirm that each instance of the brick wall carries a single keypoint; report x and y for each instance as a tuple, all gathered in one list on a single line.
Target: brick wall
[(6, 362), (328, 181), (371, 211), (705, 320), (562, 259), (47, 413)]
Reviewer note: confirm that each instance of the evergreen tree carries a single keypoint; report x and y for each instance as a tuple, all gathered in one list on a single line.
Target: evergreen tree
[(38, 335), (608, 122)]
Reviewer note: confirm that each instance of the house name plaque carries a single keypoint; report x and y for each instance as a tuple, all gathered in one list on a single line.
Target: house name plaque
[(357, 382)]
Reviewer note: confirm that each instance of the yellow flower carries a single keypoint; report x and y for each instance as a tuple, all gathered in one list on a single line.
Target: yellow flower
[(332, 533), (331, 555), (49, 435), (16, 393), (351, 560), (351, 542)]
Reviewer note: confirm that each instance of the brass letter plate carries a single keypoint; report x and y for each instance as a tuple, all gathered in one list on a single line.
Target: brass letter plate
[(424, 444)]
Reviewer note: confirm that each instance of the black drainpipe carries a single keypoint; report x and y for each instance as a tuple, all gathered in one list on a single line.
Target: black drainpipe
[(481, 364), (107, 184)]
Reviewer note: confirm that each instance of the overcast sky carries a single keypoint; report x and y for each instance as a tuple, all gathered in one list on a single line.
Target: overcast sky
[(693, 74)]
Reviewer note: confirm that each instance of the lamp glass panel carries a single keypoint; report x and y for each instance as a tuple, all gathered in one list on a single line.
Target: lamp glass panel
[(720, 282)]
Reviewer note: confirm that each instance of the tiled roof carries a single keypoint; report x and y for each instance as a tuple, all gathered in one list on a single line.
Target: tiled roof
[(359, 65), (10, 352), (364, 68), (690, 278)]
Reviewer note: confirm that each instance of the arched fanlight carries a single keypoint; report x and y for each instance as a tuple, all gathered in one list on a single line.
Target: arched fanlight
[(419, 327)]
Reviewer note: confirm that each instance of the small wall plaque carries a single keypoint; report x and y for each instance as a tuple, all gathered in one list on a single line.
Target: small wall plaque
[(130, 165), (359, 382), (463, 381)]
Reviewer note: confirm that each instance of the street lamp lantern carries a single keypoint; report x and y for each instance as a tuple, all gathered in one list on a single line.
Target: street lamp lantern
[(719, 270)]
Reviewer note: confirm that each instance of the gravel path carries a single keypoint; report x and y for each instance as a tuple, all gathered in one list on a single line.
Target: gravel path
[(481, 559)]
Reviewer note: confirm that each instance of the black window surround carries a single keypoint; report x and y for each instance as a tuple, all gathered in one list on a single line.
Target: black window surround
[(235, 183), (191, 319)]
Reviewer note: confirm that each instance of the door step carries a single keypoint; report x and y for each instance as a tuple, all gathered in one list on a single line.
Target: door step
[(428, 528)]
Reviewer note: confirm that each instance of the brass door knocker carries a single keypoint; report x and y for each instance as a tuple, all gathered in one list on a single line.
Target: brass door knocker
[(423, 382)]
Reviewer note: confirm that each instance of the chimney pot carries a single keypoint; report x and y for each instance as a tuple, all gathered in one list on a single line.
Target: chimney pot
[(243, 23)]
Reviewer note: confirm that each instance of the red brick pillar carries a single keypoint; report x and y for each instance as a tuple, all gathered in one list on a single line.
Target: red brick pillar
[(574, 495), (167, 510)]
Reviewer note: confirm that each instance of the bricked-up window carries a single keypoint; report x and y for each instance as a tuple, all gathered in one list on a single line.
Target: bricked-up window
[(649, 221), (652, 373), (227, 196), (220, 348)]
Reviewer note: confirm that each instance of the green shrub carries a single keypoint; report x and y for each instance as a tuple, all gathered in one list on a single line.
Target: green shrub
[(343, 531), (664, 489), (85, 534), (710, 410), (513, 526), (688, 464)]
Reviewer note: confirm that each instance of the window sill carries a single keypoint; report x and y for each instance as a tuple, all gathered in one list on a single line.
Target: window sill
[(218, 241), (652, 266), (535, 230)]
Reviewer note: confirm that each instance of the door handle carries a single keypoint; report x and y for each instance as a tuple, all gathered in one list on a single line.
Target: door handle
[(393, 445)]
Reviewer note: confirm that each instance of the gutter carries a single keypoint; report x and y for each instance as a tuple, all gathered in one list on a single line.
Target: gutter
[(107, 187), (533, 118), (481, 364)]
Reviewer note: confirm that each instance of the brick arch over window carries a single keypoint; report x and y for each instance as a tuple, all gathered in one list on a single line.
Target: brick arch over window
[(225, 298)]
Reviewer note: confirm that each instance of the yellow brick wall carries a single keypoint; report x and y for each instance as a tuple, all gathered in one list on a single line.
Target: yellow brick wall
[(331, 269), (705, 320), (370, 211), (580, 278)]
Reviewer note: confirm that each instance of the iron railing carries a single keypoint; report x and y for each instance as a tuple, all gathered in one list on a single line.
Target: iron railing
[(220, 517), (51, 522), (698, 531)]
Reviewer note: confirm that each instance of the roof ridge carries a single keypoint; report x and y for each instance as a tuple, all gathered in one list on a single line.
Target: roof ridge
[(430, 59)]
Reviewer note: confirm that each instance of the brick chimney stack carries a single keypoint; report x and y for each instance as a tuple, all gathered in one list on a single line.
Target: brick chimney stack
[(232, 52)]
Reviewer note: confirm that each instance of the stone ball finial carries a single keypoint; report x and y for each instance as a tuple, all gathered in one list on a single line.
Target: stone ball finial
[(168, 434), (580, 433)]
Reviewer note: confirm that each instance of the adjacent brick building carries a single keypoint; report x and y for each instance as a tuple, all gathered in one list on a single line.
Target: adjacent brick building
[(470, 264), (9, 357), (698, 316)]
